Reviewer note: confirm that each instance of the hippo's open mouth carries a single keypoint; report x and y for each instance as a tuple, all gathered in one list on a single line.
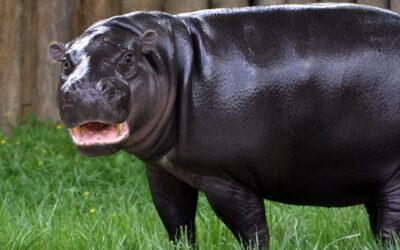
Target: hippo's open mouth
[(97, 134)]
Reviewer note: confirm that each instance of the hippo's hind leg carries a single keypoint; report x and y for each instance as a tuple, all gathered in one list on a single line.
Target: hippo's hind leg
[(175, 202), (387, 210), (241, 209), (372, 216)]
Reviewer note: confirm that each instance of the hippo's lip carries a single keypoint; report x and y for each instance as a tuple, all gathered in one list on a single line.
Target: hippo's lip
[(97, 133)]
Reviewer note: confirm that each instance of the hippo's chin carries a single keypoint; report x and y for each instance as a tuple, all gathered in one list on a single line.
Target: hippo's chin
[(97, 138), (98, 150)]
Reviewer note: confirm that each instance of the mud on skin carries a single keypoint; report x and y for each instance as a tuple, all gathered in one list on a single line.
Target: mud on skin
[(296, 104)]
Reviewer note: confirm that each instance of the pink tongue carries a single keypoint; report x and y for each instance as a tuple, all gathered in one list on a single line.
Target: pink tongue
[(97, 132), (96, 125)]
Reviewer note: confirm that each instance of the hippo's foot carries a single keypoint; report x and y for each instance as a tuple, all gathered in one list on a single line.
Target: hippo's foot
[(241, 209), (384, 213), (175, 202)]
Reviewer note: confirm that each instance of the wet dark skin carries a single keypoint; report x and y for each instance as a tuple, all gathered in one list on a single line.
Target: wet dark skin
[(294, 104)]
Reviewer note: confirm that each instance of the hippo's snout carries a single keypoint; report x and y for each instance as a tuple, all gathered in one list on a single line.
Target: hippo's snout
[(105, 101), (95, 114)]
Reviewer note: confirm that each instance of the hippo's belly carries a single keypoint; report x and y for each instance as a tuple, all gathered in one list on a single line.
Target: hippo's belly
[(315, 132)]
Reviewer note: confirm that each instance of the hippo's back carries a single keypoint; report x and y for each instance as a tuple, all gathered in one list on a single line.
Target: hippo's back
[(267, 36)]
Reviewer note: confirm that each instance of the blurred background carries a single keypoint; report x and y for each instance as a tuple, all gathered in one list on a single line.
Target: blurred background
[(28, 78)]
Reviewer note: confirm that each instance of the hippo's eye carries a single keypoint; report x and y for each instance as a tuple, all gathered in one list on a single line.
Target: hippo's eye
[(126, 64), (66, 67), (65, 64), (128, 59)]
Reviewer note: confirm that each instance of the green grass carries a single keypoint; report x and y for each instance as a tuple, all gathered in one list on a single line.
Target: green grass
[(54, 198)]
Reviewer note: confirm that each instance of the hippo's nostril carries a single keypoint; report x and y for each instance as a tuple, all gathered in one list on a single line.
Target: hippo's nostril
[(72, 87), (103, 86), (69, 87)]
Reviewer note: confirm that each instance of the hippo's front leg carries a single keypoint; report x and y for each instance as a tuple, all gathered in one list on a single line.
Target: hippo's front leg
[(175, 202), (240, 208)]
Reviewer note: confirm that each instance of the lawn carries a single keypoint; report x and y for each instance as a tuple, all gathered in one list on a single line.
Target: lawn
[(54, 198)]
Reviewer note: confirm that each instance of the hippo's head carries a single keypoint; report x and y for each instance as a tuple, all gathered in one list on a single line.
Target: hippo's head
[(114, 86)]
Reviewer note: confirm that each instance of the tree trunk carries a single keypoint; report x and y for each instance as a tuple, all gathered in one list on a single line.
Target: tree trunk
[(28, 58), (269, 2), (134, 5), (376, 3), (54, 24), (75, 24), (338, 1), (179, 6), (395, 5), (229, 3), (10, 63), (92, 11), (301, 1)]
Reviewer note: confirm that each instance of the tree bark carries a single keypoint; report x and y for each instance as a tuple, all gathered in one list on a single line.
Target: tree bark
[(92, 11), (10, 63), (54, 24), (376, 3), (28, 57), (179, 6), (338, 1), (395, 5), (301, 1), (229, 3), (134, 5), (75, 24), (269, 2)]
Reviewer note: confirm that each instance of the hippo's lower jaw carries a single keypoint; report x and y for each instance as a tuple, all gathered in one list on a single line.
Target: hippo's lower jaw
[(95, 138)]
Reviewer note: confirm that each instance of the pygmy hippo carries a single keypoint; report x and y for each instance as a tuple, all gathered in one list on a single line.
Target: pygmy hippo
[(295, 104)]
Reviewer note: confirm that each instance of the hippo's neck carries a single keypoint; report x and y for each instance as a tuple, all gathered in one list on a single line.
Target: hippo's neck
[(164, 137), (157, 143)]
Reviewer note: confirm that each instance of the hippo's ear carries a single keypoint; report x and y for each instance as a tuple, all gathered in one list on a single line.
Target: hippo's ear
[(148, 41), (56, 51)]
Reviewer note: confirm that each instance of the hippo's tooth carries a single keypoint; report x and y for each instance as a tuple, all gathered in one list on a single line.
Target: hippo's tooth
[(119, 127), (77, 131)]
